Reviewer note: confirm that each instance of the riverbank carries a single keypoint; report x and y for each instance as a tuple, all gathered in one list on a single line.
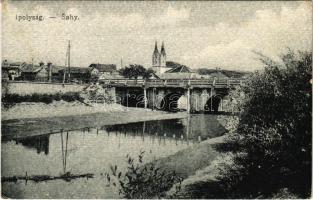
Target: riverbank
[(75, 118), (196, 166), (186, 162), (192, 165), (26, 110)]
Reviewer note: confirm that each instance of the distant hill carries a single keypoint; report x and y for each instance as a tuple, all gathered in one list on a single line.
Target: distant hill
[(221, 73), (228, 73)]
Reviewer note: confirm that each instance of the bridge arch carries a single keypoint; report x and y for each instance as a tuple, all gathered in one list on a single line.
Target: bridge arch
[(133, 98), (171, 102), (214, 104)]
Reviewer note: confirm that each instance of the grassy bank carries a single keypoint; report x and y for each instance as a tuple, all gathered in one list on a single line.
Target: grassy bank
[(186, 162), (27, 110)]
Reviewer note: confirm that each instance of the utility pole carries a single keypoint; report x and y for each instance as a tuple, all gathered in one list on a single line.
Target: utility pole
[(64, 70), (69, 61)]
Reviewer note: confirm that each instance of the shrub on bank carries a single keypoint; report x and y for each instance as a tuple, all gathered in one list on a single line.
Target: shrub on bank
[(142, 181), (272, 139), (96, 93)]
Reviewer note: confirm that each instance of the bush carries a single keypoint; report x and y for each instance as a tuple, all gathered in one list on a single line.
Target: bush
[(71, 96), (11, 99), (4, 88), (142, 181), (97, 93), (272, 140)]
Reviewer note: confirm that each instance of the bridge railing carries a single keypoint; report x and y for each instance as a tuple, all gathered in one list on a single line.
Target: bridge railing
[(172, 82)]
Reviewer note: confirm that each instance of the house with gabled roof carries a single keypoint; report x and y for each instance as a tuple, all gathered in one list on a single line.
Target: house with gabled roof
[(179, 72), (12, 70), (102, 70), (31, 72)]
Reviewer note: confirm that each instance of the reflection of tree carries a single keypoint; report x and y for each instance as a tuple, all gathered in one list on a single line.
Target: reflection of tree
[(40, 143), (64, 150)]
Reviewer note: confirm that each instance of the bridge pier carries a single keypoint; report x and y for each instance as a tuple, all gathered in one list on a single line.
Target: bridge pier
[(153, 98), (127, 95), (188, 100), (211, 102), (145, 99)]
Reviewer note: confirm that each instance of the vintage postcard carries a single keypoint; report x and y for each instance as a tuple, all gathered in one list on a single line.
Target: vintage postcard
[(156, 99)]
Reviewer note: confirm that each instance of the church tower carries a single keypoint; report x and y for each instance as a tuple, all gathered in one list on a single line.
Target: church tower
[(162, 56), (159, 59), (156, 56)]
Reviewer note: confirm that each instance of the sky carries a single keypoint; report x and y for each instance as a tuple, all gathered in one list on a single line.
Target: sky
[(198, 34)]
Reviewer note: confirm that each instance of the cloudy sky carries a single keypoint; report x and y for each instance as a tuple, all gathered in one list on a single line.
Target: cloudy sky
[(197, 34)]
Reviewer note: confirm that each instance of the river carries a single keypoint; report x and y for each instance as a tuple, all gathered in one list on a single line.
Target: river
[(93, 150)]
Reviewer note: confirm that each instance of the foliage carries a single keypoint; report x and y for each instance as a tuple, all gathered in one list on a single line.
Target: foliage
[(135, 71), (272, 139), (4, 88), (97, 93), (284, 193), (148, 74), (142, 180), (11, 99)]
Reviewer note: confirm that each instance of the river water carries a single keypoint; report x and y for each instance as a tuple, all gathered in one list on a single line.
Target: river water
[(93, 150)]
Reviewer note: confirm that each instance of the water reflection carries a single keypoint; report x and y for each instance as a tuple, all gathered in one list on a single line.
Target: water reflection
[(64, 150), (93, 150), (194, 127), (39, 143), (189, 128)]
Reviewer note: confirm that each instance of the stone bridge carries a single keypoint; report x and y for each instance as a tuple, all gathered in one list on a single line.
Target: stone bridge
[(192, 95)]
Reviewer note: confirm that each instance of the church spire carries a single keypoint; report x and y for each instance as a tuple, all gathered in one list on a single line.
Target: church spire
[(156, 48), (163, 49), (156, 56)]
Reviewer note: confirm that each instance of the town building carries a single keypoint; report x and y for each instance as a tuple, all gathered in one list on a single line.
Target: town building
[(75, 74), (179, 72), (31, 72), (55, 75), (12, 70), (103, 71)]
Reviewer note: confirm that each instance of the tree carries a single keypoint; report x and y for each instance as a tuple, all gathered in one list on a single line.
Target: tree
[(272, 142), (135, 71), (148, 73)]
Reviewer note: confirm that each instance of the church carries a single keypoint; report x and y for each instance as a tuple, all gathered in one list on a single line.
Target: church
[(170, 69), (159, 59)]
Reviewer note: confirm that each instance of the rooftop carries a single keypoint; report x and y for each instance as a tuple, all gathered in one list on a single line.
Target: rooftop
[(76, 70), (104, 67), (180, 69), (28, 68)]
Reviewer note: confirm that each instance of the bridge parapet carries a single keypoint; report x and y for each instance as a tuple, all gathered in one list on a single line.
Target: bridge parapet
[(181, 83)]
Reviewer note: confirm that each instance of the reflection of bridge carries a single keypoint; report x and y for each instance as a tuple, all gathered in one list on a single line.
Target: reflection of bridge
[(163, 94)]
